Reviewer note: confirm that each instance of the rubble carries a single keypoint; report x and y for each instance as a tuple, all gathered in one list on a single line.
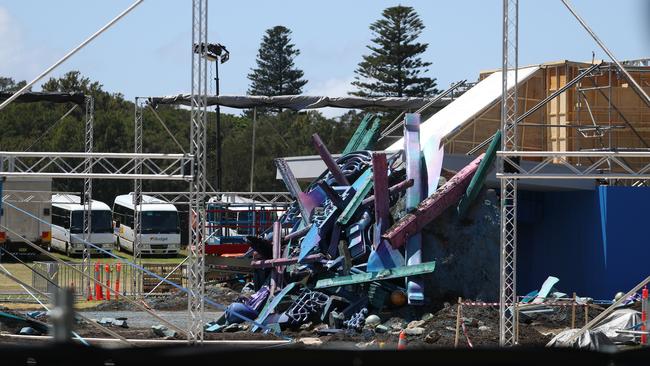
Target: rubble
[(162, 331), (113, 322), (345, 255)]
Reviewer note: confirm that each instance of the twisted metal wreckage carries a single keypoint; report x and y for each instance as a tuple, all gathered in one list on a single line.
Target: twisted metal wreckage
[(340, 258)]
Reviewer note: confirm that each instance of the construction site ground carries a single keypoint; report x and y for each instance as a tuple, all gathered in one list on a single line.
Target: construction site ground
[(438, 321)]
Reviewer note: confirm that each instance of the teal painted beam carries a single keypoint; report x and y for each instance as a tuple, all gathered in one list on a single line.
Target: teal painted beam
[(478, 179), (364, 182), (368, 140), (387, 274), (356, 138)]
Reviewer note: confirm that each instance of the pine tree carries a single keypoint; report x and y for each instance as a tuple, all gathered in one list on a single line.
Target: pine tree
[(276, 73), (394, 68)]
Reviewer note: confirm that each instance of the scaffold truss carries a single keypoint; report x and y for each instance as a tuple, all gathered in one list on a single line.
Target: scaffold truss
[(602, 165), (508, 253), (257, 197), (76, 165), (198, 135)]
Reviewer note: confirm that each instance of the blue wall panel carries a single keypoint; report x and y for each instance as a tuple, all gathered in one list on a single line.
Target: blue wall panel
[(596, 242)]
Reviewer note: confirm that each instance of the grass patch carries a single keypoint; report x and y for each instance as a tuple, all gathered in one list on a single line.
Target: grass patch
[(18, 270)]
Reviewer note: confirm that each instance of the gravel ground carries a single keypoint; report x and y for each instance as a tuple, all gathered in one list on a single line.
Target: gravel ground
[(141, 319)]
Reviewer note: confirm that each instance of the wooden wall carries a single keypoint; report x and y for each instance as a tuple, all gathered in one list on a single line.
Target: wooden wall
[(570, 109)]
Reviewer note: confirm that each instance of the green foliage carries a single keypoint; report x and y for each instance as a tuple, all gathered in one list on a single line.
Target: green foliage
[(393, 68), (276, 73), (9, 85)]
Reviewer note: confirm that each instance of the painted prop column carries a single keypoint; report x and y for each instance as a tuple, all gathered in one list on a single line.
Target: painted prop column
[(413, 253), (382, 206)]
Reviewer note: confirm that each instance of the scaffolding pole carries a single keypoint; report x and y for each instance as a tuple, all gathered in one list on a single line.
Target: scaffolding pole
[(508, 248), (196, 248), (137, 196), (88, 189)]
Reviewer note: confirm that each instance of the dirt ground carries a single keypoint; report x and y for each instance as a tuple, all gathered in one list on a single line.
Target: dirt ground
[(481, 325)]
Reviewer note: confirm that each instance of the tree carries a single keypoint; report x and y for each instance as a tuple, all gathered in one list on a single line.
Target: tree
[(393, 68), (10, 85), (276, 73)]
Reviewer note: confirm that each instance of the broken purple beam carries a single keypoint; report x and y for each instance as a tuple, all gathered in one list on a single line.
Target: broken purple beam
[(432, 206), (413, 252), (297, 234), (268, 263), (382, 204), (329, 161), (399, 187), (292, 185)]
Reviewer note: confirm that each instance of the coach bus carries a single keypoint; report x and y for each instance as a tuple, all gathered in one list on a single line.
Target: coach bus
[(160, 226), (67, 225)]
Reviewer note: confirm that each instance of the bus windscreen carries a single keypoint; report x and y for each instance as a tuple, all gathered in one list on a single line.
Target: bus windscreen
[(160, 222), (100, 222)]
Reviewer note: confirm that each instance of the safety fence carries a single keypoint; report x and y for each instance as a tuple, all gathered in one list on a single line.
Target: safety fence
[(579, 312), (116, 276)]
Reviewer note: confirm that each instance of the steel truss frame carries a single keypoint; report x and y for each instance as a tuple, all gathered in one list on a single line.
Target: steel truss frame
[(86, 197), (75, 165), (137, 196), (259, 197), (603, 165), (198, 132), (508, 247)]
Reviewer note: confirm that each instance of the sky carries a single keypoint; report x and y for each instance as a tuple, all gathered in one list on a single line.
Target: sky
[(147, 53)]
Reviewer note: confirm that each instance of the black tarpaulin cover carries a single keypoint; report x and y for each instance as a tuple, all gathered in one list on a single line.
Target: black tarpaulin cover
[(53, 97), (298, 102)]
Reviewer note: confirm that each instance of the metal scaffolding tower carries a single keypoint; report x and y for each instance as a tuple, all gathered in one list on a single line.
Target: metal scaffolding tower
[(508, 249), (137, 197), (196, 248), (88, 189)]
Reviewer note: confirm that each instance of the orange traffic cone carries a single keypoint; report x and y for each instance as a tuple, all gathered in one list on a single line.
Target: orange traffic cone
[(401, 344)]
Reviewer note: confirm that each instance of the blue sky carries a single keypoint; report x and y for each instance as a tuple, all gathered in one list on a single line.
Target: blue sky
[(147, 53)]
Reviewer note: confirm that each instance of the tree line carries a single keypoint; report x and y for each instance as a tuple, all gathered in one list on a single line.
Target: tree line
[(393, 67)]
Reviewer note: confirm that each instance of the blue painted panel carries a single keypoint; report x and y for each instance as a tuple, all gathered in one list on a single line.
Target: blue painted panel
[(597, 242)]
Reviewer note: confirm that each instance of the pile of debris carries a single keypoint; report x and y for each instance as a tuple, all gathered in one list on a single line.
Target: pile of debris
[(349, 248)]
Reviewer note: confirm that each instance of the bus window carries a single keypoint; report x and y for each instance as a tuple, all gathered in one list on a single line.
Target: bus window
[(60, 217), (160, 222), (100, 222)]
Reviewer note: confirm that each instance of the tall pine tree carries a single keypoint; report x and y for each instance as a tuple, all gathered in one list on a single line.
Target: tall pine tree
[(394, 67), (276, 73)]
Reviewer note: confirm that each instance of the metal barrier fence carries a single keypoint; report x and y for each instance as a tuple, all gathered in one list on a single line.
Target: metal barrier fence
[(117, 276)]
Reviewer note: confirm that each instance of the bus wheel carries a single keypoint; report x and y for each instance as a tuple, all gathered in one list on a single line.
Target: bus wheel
[(49, 246)]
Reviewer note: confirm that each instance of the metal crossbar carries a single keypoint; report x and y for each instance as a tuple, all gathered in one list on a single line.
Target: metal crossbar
[(258, 197), (605, 165), (96, 165)]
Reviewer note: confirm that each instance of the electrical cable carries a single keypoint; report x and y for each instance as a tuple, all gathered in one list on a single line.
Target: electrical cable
[(51, 127)]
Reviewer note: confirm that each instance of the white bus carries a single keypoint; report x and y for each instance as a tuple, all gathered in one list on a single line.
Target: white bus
[(160, 226), (67, 225), (29, 196)]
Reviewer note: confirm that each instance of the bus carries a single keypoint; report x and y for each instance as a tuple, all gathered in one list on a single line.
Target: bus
[(24, 197), (160, 226), (231, 218), (67, 225)]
